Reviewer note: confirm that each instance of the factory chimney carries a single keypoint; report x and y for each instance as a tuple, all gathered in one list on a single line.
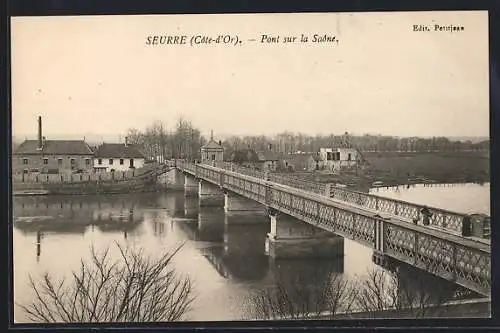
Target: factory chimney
[(40, 138)]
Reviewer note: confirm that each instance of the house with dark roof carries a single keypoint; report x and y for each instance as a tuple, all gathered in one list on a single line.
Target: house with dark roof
[(262, 160), (118, 157), (245, 157), (212, 151), (303, 162), (268, 159), (51, 156)]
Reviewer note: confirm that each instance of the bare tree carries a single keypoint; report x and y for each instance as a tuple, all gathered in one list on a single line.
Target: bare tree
[(381, 290), (133, 288), (294, 299)]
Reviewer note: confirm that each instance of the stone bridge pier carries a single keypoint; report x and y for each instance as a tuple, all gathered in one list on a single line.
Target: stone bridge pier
[(210, 195), (190, 186), (292, 238), (417, 286), (172, 179), (236, 204)]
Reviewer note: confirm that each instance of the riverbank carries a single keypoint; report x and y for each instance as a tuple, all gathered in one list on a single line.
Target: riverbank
[(144, 180), (394, 168)]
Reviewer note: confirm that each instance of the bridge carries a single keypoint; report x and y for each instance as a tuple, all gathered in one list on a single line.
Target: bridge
[(385, 225)]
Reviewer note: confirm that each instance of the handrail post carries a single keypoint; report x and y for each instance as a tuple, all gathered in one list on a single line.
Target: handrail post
[(327, 190)]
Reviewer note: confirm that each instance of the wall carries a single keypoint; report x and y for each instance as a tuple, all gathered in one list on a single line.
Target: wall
[(138, 163), (219, 155), (37, 162), (69, 178)]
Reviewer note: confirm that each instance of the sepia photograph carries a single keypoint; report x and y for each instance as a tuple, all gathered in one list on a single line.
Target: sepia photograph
[(250, 167)]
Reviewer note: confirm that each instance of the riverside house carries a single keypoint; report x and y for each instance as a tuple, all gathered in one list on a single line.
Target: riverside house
[(51, 156), (118, 157)]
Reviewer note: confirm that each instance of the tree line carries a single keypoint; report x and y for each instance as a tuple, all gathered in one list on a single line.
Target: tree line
[(288, 142), (184, 140), (159, 142)]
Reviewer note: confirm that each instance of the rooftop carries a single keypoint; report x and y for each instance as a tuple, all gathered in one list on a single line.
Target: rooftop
[(55, 147), (118, 150), (212, 145)]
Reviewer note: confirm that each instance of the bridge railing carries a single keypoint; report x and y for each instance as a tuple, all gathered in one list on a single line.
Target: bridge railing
[(466, 261), (300, 184), (437, 217)]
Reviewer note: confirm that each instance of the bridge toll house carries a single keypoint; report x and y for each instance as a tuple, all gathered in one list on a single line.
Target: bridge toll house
[(292, 238), (212, 152)]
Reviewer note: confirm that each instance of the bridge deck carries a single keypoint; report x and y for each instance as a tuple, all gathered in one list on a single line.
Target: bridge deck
[(464, 260)]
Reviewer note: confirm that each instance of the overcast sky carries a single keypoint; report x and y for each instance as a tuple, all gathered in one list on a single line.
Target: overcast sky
[(96, 75)]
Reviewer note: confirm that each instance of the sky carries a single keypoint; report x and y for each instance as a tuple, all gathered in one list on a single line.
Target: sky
[(96, 76)]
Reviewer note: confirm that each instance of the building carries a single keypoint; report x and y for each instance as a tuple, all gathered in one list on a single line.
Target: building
[(245, 157), (268, 159), (118, 157), (303, 162), (51, 156), (212, 151), (335, 159)]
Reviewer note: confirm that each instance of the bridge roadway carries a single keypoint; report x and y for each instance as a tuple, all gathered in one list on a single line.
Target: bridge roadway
[(465, 261)]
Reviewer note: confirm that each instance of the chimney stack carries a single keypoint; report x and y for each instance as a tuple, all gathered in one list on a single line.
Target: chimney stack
[(220, 143), (40, 142), (126, 141)]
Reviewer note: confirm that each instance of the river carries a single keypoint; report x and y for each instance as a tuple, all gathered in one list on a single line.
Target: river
[(223, 255)]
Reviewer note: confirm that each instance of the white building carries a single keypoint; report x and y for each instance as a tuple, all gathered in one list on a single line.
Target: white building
[(118, 157), (334, 159)]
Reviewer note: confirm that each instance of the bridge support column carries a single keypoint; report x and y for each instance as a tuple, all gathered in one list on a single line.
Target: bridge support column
[(292, 238), (234, 203), (190, 186), (172, 180), (210, 195)]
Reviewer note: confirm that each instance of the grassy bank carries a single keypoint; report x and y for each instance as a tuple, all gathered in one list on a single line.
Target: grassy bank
[(412, 168)]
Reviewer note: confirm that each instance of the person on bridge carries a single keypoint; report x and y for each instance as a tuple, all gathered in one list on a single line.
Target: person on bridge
[(426, 215), (466, 226)]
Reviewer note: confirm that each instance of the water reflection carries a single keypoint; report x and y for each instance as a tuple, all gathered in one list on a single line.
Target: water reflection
[(224, 254), (466, 198)]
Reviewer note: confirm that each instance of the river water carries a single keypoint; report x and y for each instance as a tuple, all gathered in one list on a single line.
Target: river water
[(223, 255)]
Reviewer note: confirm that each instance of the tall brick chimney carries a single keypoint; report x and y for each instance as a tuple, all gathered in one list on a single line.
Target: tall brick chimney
[(40, 138)]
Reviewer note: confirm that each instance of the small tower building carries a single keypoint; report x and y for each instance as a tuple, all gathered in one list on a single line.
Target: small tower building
[(212, 151)]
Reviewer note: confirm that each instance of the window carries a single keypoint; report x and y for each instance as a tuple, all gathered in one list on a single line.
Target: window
[(45, 161), (99, 161), (338, 156), (213, 157), (87, 161), (349, 157), (329, 156), (72, 161), (110, 161), (59, 161), (25, 161), (121, 161)]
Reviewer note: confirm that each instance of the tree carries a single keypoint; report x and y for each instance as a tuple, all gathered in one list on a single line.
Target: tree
[(133, 288)]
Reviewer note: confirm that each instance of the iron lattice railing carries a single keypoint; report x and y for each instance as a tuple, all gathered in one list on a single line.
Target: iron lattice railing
[(455, 258)]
